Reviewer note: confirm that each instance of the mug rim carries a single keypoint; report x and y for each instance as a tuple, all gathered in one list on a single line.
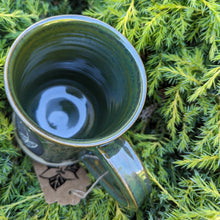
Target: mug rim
[(78, 142)]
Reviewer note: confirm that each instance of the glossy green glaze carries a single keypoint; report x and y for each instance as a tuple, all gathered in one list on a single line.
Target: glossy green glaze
[(126, 180), (89, 53), (75, 85)]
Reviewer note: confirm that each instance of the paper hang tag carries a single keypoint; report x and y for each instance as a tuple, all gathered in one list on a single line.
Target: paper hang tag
[(57, 183)]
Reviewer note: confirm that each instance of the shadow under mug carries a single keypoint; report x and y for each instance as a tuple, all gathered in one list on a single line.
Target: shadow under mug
[(76, 85)]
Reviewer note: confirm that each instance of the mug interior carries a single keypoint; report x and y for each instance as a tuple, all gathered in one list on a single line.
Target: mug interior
[(75, 78)]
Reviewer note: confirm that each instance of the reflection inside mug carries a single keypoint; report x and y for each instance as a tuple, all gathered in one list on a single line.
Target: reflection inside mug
[(64, 105), (63, 110)]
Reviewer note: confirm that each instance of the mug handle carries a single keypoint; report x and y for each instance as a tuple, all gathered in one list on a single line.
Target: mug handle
[(126, 179)]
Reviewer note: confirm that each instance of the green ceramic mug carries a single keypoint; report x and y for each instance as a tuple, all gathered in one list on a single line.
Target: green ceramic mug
[(76, 85)]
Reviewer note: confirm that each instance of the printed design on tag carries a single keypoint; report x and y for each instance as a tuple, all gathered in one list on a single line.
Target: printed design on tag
[(61, 194), (57, 176)]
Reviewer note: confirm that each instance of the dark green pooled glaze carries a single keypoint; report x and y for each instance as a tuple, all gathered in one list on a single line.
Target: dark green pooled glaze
[(76, 85)]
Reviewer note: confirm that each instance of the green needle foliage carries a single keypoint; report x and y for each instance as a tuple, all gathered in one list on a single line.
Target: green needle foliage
[(178, 133)]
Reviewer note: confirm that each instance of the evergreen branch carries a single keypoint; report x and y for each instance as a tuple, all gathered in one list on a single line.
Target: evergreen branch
[(169, 6), (178, 71), (101, 205), (119, 215), (155, 77), (188, 120), (2, 58), (184, 138), (10, 151), (25, 199), (172, 111), (205, 139), (170, 197), (213, 26), (209, 138), (211, 162), (213, 7), (9, 192), (200, 213), (212, 76), (11, 18), (6, 168), (147, 30), (46, 216), (187, 59), (187, 193), (6, 128), (207, 188), (143, 137), (125, 19)]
